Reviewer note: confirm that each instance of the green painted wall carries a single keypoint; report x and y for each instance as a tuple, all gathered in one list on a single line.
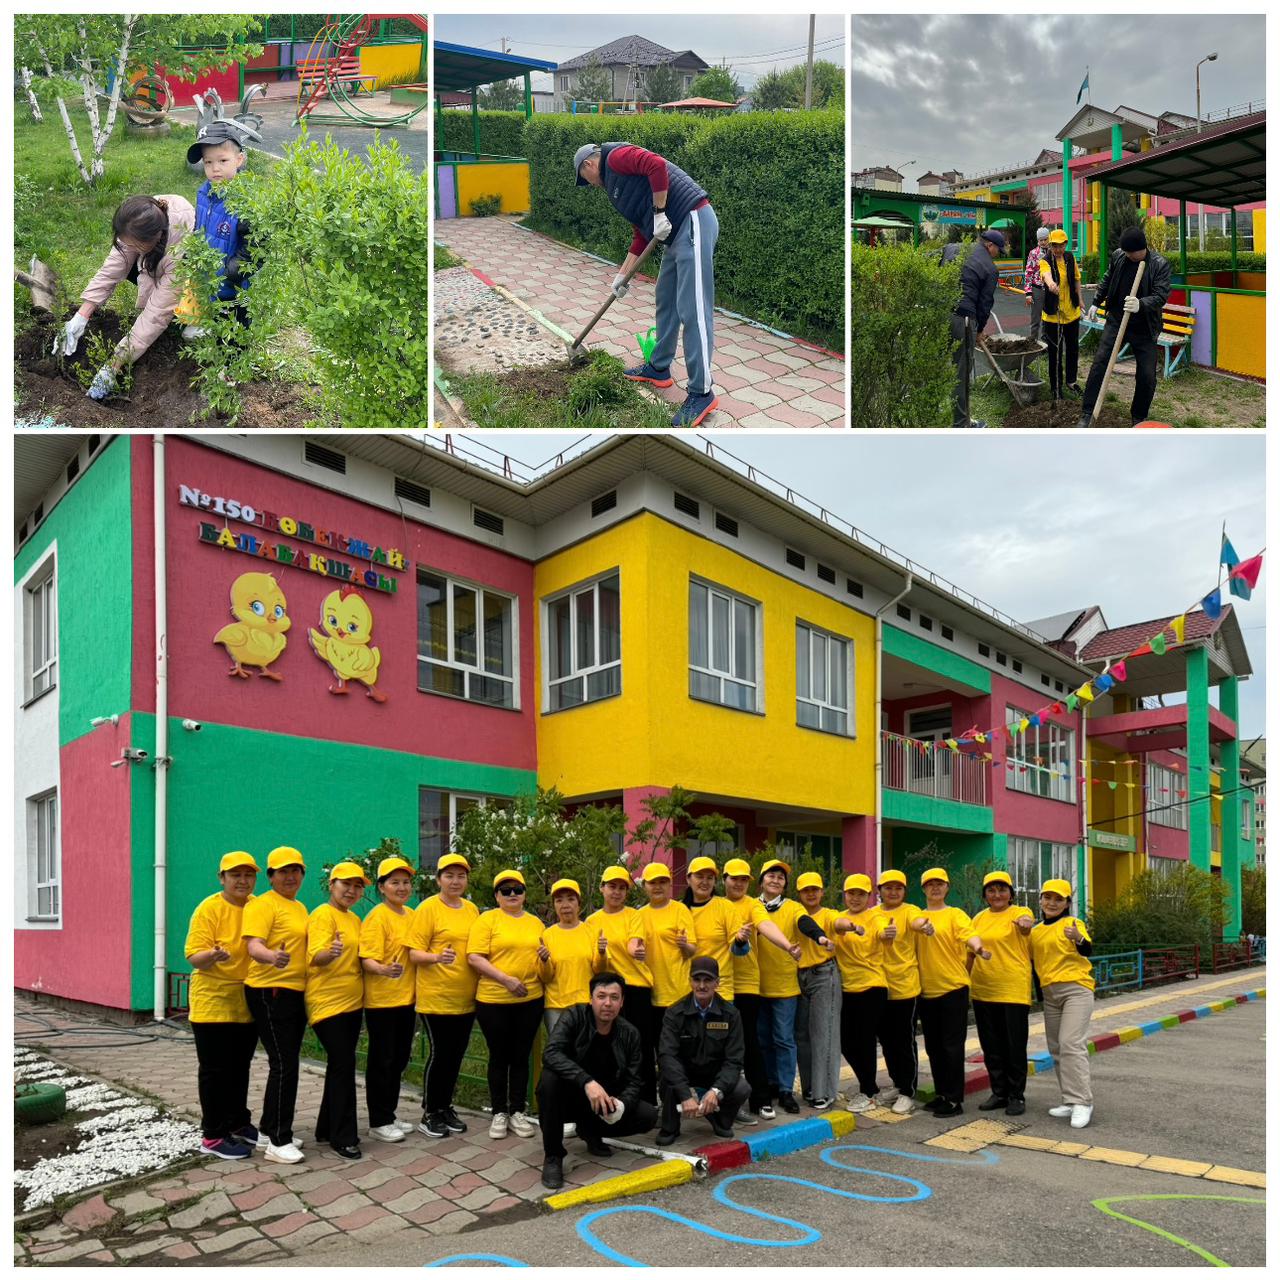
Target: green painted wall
[(1200, 809), (233, 788), (911, 648), (92, 526), (956, 852), (906, 806)]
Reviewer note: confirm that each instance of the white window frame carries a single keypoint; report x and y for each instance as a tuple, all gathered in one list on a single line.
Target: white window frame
[(477, 668), (44, 805), (756, 682), (1025, 751), (1164, 808), (40, 592), (1025, 856), (716, 849), (478, 800), (581, 674), (1164, 866), (824, 704)]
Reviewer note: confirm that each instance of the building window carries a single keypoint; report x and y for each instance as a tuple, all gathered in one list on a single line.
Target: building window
[(827, 850), (439, 813), (564, 84), (724, 635), (584, 643), (41, 624), (1042, 760), (824, 678), (725, 847), (1165, 806), (1163, 867), (44, 858), (1032, 862), (466, 641)]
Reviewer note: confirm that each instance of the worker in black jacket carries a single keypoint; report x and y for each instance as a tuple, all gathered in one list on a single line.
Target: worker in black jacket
[(700, 1056), (978, 281), (591, 1078)]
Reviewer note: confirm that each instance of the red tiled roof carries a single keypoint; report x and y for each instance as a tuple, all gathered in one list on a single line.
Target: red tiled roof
[(1122, 640)]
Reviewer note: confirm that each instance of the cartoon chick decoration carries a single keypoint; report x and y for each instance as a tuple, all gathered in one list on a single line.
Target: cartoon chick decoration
[(256, 639), (344, 642)]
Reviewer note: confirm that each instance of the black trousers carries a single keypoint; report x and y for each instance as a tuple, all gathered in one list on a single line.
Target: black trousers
[(390, 1044), (944, 1020), (753, 1063), (730, 1104), (1002, 1032), (336, 1121), (448, 1035), (509, 1031), (966, 336), (561, 1102), (1145, 349), (637, 1008), (280, 1015), (224, 1051), (656, 1016), (1064, 355), (860, 1014), (897, 1036)]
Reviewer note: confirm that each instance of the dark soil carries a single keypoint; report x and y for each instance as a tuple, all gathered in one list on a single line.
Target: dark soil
[(161, 395), (1012, 346), (1063, 413), (35, 1142), (545, 380)]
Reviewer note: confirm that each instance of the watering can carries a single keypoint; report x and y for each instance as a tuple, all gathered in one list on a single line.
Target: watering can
[(647, 342)]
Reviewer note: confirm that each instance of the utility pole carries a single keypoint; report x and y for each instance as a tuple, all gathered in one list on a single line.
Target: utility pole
[(504, 43), (808, 74)]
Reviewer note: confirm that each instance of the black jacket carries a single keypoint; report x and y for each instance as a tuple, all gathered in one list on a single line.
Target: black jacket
[(978, 280), (707, 1053), (1153, 292), (571, 1039)]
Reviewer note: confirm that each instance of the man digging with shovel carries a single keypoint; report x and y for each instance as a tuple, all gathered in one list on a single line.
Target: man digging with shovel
[(664, 204)]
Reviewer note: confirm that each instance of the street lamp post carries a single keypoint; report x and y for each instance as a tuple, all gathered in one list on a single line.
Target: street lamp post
[(1212, 57)]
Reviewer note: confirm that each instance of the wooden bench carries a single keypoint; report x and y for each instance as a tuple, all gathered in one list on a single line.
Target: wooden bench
[(1175, 336), (345, 69)]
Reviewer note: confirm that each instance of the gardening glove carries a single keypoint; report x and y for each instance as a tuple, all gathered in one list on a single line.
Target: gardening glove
[(620, 285), (1092, 317), (103, 384), (1131, 305), (661, 226), (66, 342)]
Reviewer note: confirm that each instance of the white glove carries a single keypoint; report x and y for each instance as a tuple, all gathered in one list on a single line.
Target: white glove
[(66, 342), (661, 226), (620, 285), (103, 384), (1131, 305), (1093, 315)]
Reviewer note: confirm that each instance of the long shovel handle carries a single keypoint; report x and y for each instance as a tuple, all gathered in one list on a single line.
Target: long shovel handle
[(612, 298), (1115, 351)]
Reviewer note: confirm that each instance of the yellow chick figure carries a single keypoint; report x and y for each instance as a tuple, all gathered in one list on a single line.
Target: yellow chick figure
[(256, 638), (347, 623)]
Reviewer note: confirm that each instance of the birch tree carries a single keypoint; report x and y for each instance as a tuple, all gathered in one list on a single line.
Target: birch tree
[(32, 101)]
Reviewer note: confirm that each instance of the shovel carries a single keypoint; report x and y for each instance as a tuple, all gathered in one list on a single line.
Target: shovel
[(1115, 350), (576, 353)]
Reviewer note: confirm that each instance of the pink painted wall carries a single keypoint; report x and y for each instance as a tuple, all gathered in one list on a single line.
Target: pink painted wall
[(965, 712), (199, 579), (1166, 842), (89, 957)]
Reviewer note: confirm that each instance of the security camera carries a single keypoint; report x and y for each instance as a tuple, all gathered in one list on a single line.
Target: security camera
[(136, 754), (192, 726), (97, 720)]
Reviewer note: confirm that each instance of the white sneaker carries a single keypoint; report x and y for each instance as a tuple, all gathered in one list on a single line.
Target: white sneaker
[(288, 1154), (859, 1103), (1080, 1116), (405, 1126), (1062, 1111), (571, 1130), (387, 1133), (522, 1126), (498, 1125), (767, 1112), (886, 1097), (264, 1142), (903, 1106)]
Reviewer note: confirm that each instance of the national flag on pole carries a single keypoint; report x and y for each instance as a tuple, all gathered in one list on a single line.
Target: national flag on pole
[(1084, 84), (1243, 577)]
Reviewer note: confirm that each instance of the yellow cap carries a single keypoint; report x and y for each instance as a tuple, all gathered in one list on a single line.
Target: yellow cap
[(892, 877), (388, 865), (997, 877), (702, 864), (935, 873), (566, 884), (656, 871), (348, 871), (1058, 236), (284, 856), (452, 860), (509, 874), (237, 859), (737, 867), (775, 862), (810, 880), (615, 873), (1060, 887), (857, 881)]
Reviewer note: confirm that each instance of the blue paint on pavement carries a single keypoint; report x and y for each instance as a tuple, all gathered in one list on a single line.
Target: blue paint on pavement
[(499, 1259)]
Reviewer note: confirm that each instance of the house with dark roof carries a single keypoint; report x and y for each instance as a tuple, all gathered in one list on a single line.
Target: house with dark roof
[(628, 60)]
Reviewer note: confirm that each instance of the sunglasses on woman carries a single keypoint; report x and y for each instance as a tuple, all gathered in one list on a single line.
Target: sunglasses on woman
[(510, 890)]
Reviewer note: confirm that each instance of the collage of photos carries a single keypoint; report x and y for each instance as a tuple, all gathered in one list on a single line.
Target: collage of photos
[(535, 742)]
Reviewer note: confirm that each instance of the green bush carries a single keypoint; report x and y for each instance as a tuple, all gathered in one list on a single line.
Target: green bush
[(775, 181), (900, 363), (1174, 908), (486, 206), (1196, 262), (1253, 900), (501, 132)]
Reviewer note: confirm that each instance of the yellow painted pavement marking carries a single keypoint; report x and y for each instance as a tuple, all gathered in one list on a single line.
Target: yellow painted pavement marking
[(973, 1136), (1108, 1156), (1184, 1168), (1241, 1177), (670, 1173)]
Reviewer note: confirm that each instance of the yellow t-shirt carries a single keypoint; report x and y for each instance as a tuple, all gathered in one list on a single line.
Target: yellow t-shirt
[(668, 964), (510, 944), (1055, 956), (810, 952), (281, 923), (616, 927), (384, 936), (715, 923), (941, 957), (746, 969), (444, 988), (336, 987), (778, 971), (1006, 977), (1067, 310), (567, 978), (217, 994), (861, 958), (901, 968)]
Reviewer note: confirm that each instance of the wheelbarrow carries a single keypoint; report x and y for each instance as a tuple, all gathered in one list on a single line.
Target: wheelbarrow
[(1011, 367)]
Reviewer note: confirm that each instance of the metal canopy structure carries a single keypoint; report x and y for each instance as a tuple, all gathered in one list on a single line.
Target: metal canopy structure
[(456, 68)]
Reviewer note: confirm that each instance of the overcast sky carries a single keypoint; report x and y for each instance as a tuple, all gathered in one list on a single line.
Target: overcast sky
[(1034, 525), (979, 92), (753, 44)]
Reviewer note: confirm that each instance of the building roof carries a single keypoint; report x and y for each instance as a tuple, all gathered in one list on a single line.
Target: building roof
[(630, 51), (1059, 625), (459, 66), (880, 171), (698, 102)]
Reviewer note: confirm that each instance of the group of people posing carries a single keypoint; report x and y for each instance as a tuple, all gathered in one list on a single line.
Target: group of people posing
[(677, 1009)]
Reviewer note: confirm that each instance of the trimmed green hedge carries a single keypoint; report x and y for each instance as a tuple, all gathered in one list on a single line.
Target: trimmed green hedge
[(776, 183), (1217, 261), (501, 132)]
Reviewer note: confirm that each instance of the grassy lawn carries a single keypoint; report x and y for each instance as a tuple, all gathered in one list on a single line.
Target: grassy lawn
[(442, 259)]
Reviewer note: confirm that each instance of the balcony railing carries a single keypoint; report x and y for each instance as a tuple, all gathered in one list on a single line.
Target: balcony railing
[(940, 773)]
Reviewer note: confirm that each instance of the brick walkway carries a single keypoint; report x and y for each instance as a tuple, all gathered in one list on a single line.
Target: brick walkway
[(762, 380)]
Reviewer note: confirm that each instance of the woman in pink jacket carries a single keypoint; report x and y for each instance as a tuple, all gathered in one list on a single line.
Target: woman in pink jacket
[(145, 232)]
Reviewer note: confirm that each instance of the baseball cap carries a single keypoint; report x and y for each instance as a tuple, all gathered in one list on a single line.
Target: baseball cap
[(656, 871), (1060, 887), (587, 149), (221, 131), (509, 874), (1058, 236), (704, 965), (995, 237), (737, 867), (702, 864), (997, 877), (857, 881), (615, 873), (284, 856), (566, 884), (452, 860), (810, 880), (776, 863), (935, 873), (348, 871), (892, 877), (388, 865), (237, 859)]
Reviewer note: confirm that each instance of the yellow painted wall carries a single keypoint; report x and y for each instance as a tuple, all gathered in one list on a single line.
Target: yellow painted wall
[(1259, 231), (391, 61), (510, 181), (654, 734), (974, 193), (1242, 334)]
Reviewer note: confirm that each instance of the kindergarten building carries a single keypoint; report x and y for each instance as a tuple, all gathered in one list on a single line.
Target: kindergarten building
[(362, 636)]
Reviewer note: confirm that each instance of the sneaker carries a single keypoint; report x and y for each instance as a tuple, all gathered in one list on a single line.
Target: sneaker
[(787, 1101), (647, 373), (820, 1104), (1062, 1111), (405, 1126), (571, 1130), (1086, 420), (434, 1126), (948, 1109), (451, 1119), (667, 1136), (597, 1148), (859, 1103), (903, 1106), (249, 1135), (933, 1104), (887, 1097), (697, 405), (387, 1133), (748, 1118), (720, 1129), (1080, 1116), (498, 1125), (263, 1141), (1074, 389), (225, 1148), (553, 1173), (1016, 1107), (766, 1112), (993, 1103), (347, 1153), (287, 1154), (522, 1126)]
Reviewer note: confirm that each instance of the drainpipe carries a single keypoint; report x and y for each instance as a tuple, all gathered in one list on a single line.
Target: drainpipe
[(879, 616), (162, 723)]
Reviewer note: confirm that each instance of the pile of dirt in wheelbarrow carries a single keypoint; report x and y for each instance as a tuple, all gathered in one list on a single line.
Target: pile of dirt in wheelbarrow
[(161, 395), (1004, 346), (1063, 413)]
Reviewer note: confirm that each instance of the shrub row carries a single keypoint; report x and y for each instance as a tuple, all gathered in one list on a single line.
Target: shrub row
[(500, 132), (1195, 262)]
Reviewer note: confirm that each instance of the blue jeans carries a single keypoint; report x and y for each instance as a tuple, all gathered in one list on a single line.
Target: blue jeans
[(777, 1031)]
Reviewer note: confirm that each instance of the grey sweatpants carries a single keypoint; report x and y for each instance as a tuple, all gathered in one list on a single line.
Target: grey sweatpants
[(818, 1030), (686, 296), (1037, 312), (1068, 1007)]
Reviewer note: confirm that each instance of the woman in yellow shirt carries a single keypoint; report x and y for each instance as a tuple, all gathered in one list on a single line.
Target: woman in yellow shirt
[(715, 923), (864, 989), (388, 998), (568, 955), (335, 1004), (897, 1028), (274, 928), (219, 1017), (1001, 992), (503, 949), (445, 990), (1061, 318), (779, 988), (1060, 949), (818, 1013)]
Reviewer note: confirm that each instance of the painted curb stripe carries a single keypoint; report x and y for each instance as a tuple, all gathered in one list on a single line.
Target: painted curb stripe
[(789, 1138), (841, 1122), (730, 1154), (653, 1177)]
